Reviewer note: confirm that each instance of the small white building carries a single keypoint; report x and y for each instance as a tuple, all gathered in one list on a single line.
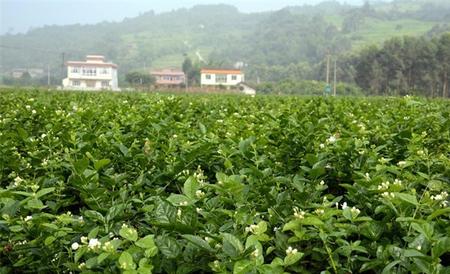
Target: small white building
[(221, 77), (93, 74)]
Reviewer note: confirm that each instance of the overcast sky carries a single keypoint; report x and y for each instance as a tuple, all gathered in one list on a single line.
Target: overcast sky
[(20, 15)]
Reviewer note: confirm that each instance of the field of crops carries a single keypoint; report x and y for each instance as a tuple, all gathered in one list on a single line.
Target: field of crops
[(141, 183)]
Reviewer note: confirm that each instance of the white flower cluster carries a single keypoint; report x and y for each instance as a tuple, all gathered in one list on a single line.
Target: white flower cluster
[(388, 194), (94, 244), (185, 203), (402, 163), (442, 197), (319, 211), (384, 186), (17, 181), (355, 211), (397, 182), (255, 253), (344, 206), (199, 175), (251, 228), (199, 194), (367, 176), (291, 251), (331, 140), (28, 218), (299, 214)]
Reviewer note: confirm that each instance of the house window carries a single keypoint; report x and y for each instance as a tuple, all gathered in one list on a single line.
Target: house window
[(89, 71), (234, 77), (75, 70), (221, 78), (208, 76), (104, 71), (76, 83), (105, 84)]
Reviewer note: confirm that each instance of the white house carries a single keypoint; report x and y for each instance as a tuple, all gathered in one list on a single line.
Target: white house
[(221, 77), (93, 74)]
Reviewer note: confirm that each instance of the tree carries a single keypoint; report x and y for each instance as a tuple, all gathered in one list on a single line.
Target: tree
[(139, 79)]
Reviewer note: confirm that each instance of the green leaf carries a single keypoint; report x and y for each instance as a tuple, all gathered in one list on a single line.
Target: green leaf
[(149, 245), (101, 164), (35, 204), (123, 149), (44, 191), (190, 187), (179, 200), (388, 268), (242, 267), (439, 212), (129, 233), (126, 261), (231, 245), (196, 240), (413, 253), (168, 246), (102, 257), (407, 198), (49, 240), (94, 215), (94, 232), (292, 258)]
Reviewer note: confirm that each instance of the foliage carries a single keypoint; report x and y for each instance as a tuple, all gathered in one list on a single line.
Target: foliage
[(141, 183), (307, 88), (141, 79), (403, 66)]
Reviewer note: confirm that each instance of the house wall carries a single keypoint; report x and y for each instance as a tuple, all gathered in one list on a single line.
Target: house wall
[(229, 82), (102, 74)]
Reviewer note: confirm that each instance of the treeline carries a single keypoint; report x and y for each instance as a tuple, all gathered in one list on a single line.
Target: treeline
[(402, 66)]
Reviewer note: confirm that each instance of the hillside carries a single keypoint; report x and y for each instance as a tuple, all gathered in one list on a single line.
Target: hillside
[(221, 35)]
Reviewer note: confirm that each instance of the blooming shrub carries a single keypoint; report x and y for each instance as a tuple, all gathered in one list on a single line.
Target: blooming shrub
[(141, 183)]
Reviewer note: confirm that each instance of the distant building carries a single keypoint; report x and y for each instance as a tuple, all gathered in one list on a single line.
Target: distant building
[(221, 77), (169, 77), (93, 74)]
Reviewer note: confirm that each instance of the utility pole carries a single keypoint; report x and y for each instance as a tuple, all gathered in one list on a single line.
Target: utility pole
[(48, 76), (335, 76), (328, 69), (63, 64)]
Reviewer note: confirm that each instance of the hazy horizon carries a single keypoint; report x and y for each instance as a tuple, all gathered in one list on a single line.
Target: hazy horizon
[(18, 16)]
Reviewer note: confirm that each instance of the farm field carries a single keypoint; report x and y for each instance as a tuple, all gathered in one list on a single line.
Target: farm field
[(141, 183)]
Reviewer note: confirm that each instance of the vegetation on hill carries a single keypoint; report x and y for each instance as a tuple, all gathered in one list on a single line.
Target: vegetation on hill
[(221, 35)]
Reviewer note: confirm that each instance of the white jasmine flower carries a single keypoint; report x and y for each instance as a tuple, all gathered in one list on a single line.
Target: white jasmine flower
[(420, 152), (322, 146), (319, 211), (355, 211), (82, 266), (179, 213), (28, 218), (33, 111), (84, 240), (75, 246), (401, 163), (199, 210), (419, 247), (175, 136), (251, 228), (17, 181), (28, 107), (367, 176), (322, 183), (299, 214), (397, 182), (344, 205), (255, 253), (291, 251), (199, 194), (94, 243), (331, 140)]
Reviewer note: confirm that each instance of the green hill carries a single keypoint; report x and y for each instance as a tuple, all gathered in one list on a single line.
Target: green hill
[(222, 36)]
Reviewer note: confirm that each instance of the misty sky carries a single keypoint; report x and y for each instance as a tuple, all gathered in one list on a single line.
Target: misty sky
[(20, 15)]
